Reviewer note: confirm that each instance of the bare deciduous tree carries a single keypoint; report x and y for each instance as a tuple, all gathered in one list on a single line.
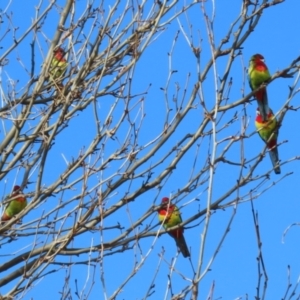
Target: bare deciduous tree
[(145, 109)]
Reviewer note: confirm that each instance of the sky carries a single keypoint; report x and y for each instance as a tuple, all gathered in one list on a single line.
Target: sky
[(234, 271)]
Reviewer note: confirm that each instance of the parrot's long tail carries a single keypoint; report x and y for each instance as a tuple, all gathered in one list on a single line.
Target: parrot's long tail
[(181, 244), (5, 217), (275, 160), (264, 105)]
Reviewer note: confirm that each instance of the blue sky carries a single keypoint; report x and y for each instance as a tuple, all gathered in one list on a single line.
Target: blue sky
[(234, 270)]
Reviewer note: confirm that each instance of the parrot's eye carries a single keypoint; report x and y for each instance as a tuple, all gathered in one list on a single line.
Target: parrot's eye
[(258, 113)]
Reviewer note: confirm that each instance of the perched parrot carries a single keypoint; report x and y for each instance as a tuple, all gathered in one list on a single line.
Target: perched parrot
[(17, 202), (258, 73), (170, 216), (58, 64), (265, 130)]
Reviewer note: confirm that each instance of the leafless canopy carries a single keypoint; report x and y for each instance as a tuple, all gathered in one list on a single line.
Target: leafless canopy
[(143, 111)]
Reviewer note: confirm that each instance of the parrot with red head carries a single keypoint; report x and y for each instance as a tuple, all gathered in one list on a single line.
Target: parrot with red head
[(266, 130), (258, 74), (170, 216), (58, 64), (17, 202)]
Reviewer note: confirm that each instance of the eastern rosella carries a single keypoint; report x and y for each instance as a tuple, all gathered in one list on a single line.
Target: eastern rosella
[(17, 202), (170, 216), (265, 130), (58, 64), (258, 73)]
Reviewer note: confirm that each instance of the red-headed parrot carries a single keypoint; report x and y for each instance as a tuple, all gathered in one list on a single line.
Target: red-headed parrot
[(170, 216), (265, 130), (17, 202), (58, 64), (258, 73)]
